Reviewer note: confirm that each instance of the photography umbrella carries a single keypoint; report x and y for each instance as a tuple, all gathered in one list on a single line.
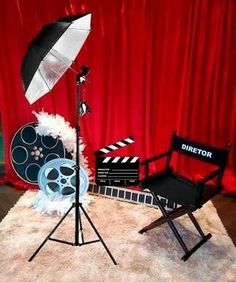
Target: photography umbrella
[(51, 53), (48, 57)]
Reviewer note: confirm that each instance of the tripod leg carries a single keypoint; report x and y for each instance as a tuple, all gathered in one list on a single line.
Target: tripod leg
[(81, 229), (76, 221), (95, 230), (48, 237), (78, 228)]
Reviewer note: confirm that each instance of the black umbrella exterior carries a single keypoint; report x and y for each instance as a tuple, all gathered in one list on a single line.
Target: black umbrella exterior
[(51, 53)]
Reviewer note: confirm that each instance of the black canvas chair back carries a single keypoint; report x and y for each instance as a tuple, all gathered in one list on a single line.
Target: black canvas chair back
[(205, 153), (186, 193)]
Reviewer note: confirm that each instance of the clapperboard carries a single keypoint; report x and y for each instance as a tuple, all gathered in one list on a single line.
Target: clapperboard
[(116, 171)]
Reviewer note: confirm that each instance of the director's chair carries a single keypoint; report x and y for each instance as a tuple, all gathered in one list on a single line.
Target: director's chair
[(186, 193)]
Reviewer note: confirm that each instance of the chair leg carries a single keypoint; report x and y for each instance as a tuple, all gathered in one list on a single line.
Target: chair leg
[(168, 217), (171, 224), (194, 221), (197, 246), (153, 224), (204, 239)]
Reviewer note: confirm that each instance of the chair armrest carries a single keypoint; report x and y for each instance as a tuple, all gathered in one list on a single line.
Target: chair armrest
[(157, 157), (146, 162), (210, 176)]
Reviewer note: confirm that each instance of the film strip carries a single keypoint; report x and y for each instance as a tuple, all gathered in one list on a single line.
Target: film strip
[(118, 171), (129, 195)]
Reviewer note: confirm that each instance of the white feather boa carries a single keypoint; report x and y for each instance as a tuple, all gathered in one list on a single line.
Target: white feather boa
[(57, 127), (57, 205)]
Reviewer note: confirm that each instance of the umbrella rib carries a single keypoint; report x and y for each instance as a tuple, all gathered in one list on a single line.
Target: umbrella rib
[(80, 29), (66, 63), (44, 80), (69, 66), (53, 70)]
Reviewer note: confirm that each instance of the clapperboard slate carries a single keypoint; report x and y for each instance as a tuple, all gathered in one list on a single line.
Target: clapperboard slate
[(118, 171)]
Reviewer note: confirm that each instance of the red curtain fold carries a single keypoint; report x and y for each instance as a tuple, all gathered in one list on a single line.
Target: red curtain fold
[(155, 66)]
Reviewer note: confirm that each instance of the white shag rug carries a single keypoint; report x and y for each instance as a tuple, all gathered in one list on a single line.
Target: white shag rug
[(153, 256)]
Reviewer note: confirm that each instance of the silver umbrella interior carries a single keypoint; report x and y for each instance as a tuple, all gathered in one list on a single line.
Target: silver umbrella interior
[(59, 58)]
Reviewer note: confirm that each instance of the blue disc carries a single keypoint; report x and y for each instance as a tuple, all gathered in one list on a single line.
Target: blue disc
[(59, 176)]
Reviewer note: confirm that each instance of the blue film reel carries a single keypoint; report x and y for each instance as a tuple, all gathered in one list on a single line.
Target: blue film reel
[(30, 151), (58, 176)]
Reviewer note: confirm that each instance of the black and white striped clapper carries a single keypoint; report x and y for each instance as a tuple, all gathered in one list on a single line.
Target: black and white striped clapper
[(115, 146), (117, 171)]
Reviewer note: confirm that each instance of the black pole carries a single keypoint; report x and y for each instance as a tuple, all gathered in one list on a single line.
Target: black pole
[(77, 205), (77, 173)]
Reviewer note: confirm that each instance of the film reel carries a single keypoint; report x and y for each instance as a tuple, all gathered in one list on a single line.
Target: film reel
[(58, 176), (30, 151)]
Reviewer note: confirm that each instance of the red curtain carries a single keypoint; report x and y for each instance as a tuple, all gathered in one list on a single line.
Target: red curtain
[(156, 65)]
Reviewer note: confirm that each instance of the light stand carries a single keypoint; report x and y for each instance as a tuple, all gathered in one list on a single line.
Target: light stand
[(81, 77)]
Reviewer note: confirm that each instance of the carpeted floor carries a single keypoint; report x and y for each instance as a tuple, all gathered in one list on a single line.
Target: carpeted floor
[(154, 256)]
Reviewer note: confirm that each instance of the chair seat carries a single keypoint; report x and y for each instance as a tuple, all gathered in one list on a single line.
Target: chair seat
[(177, 188)]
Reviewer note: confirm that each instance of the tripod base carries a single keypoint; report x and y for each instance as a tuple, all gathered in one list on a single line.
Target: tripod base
[(77, 232)]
